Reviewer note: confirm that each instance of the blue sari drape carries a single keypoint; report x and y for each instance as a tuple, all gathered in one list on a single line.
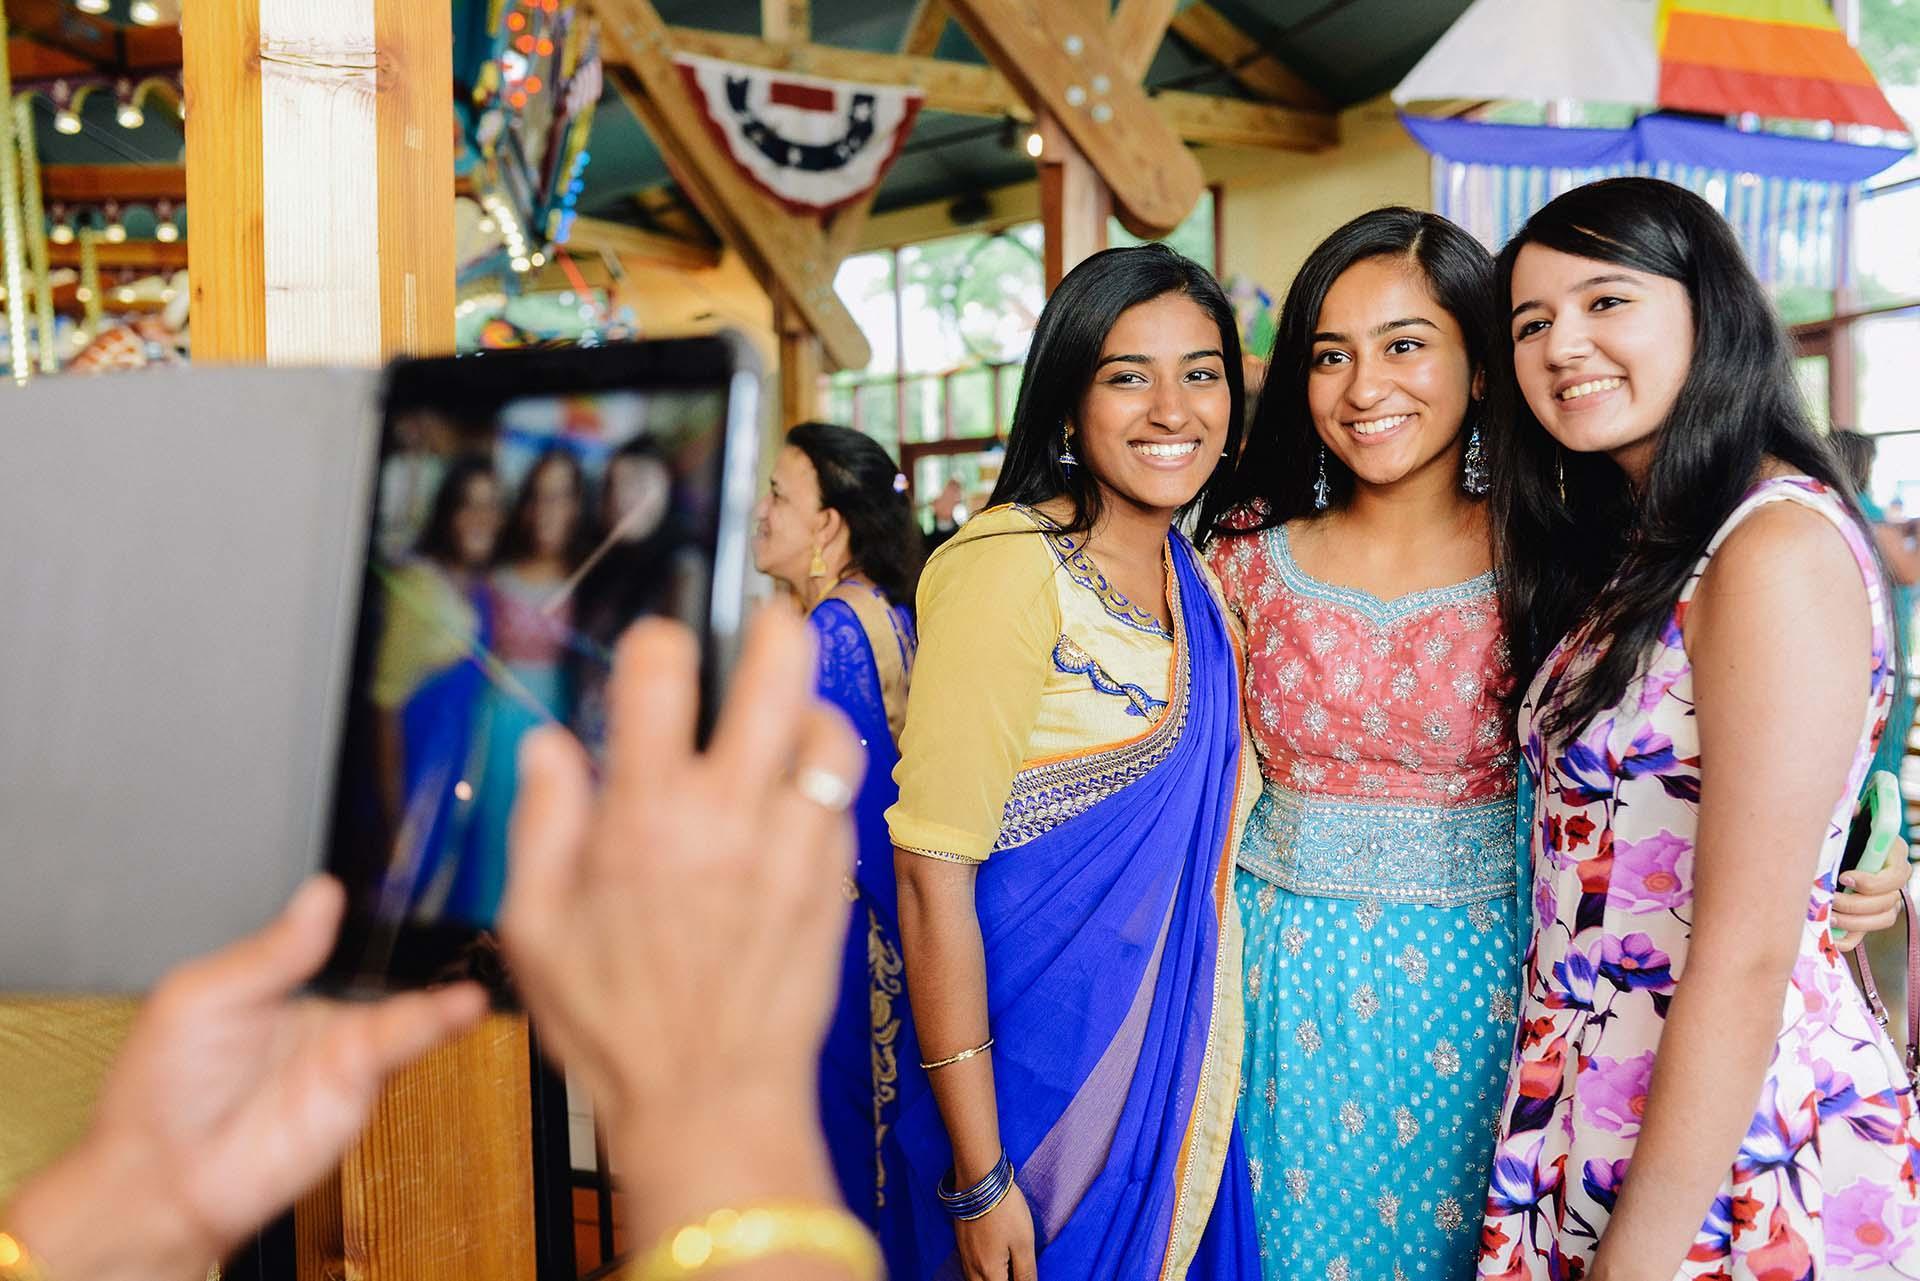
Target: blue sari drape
[(858, 1100), (443, 741), (1103, 917)]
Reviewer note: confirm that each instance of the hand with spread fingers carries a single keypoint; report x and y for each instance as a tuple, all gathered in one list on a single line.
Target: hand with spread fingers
[(232, 1096), (677, 937)]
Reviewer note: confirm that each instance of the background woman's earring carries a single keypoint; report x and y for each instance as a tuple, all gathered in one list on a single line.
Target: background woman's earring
[(1321, 492), (1473, 475), (1067, 461), (1560, 475), (818, 567)]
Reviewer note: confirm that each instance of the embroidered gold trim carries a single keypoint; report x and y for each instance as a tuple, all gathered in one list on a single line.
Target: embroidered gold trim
[(942, 855), (884, 968), (1048, 794)]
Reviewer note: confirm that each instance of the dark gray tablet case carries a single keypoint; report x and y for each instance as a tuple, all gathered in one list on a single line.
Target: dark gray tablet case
[(180, 560)]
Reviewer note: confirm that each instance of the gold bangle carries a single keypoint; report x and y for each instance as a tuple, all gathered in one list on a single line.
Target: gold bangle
[(961, 1057), (730, 1237), (16, 1261)]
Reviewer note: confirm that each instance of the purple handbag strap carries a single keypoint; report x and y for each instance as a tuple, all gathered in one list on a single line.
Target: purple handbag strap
[(1912, 1057)]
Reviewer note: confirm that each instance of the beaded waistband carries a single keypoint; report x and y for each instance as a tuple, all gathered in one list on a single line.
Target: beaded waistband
[(1444, 855)]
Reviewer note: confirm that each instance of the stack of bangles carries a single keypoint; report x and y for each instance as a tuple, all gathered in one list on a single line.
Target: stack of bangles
[(982, 1197)]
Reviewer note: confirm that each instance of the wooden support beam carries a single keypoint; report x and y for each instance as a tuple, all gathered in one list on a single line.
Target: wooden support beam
[(296, 106), (595, 235), (924, 28), (1138, 28), (128, 184), (1068, 66), (800, 367), (320, 175), (1215, 36), (1231, 122), (969, 90), (1074, 204), (787, 253), (786, 21)]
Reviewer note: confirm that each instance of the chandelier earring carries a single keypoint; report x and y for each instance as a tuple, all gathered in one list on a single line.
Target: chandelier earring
[(1473, 468)]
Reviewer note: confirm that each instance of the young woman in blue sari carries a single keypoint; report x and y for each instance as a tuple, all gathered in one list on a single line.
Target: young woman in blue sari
[(836, 530), (430, 687), (1073, 782)]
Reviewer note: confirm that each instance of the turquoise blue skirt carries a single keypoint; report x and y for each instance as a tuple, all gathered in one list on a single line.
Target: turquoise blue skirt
[(1379, 1035)]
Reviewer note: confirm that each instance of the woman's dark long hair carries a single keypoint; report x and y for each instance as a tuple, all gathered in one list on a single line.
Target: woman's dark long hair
[(858, 480), (1274, 480), (437, 540), (1602, 559), (516, 543), (1065, 351)]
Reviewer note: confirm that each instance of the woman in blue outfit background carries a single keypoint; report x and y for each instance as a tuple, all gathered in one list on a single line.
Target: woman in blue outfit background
[(836, 531)]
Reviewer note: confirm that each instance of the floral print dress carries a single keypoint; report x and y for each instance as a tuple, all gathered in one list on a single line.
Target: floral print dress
[(1823, 1187)]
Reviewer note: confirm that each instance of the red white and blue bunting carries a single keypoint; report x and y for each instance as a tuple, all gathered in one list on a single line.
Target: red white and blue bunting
[(812, 144)]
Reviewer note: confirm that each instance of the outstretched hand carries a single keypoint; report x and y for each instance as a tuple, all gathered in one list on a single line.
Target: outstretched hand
[(232, 1096)]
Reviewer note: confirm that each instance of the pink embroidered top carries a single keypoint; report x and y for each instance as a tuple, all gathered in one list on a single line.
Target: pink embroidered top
[(1388, 760)]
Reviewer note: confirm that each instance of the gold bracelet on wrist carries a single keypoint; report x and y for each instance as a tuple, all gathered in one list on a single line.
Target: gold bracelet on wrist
[(961, 1057), (728, 1237), (16, 1261)]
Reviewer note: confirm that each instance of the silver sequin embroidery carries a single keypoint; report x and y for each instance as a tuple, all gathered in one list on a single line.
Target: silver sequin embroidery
[(1412, 964)]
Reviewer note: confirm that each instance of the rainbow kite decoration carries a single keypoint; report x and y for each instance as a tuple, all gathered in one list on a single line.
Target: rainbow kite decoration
[(1697, 78), (1786, 59)]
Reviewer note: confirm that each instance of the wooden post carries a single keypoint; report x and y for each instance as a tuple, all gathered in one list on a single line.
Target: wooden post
[(1074, 203), (786, 21), (320, 174), (800, 366)]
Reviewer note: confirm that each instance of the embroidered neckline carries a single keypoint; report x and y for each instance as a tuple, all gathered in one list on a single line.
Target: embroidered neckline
[(1374, 609), (1071, 659), (1082, 570)]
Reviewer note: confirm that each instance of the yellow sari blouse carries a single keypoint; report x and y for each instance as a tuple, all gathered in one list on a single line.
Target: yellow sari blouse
[(1026, 653)]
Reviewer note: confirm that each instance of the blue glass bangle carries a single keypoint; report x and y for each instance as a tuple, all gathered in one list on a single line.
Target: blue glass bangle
[(982, 1197)]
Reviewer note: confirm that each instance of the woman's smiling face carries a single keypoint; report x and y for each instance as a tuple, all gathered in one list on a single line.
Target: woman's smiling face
[(1388, 378), (1600, 351)]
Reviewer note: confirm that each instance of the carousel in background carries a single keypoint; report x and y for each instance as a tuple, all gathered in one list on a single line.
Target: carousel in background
[(66, 308), (96, 252), (527, 78)]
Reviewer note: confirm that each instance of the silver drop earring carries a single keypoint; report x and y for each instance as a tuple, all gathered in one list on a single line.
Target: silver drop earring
[(1320, 491), (1067, 461), (1473, 472)]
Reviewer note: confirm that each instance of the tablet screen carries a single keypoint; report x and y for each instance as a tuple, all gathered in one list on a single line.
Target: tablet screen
[(528, 508)]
